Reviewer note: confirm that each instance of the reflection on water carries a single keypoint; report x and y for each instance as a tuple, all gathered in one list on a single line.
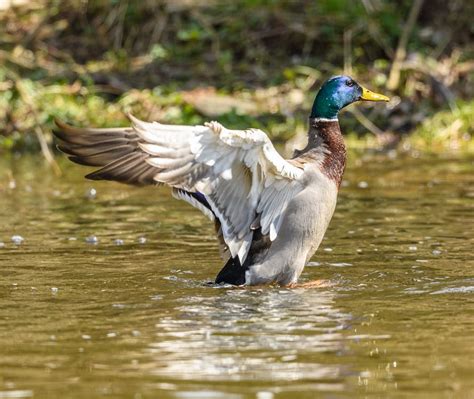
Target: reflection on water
[(105, 294), (251, 335)]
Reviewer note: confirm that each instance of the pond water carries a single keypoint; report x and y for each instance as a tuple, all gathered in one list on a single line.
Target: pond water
[(105, 295)]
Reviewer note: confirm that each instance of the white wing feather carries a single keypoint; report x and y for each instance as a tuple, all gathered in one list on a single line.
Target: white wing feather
[(238, 171)]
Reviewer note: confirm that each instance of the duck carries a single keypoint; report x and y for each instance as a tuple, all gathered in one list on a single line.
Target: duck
[(270, 214)]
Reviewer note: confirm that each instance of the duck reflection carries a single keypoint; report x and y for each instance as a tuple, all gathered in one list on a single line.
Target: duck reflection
[(252, 334)]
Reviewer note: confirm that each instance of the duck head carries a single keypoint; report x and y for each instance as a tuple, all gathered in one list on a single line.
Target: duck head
[(338, 92)]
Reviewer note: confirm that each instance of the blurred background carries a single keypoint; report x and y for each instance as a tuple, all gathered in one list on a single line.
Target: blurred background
[(245, 62)]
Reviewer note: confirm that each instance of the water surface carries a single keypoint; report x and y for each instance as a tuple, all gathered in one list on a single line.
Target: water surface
[(83, 320)]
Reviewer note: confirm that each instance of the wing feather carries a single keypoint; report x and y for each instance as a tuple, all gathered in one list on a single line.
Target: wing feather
[(239, 174)]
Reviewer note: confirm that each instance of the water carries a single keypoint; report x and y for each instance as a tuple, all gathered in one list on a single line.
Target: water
[(105, 294)]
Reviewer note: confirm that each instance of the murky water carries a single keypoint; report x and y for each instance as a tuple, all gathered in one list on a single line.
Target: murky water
[(84, 320)]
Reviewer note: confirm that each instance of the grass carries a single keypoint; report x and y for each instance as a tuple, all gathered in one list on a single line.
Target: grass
[(91, 62)]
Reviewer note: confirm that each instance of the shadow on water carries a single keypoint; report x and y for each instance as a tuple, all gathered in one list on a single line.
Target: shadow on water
[(106, 295)]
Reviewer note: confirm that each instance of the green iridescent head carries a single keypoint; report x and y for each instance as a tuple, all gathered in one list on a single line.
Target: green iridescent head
[(338, 92)]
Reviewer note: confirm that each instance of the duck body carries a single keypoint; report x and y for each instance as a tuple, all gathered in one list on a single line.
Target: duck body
[(270, 214), (306, 218), (305, 221)]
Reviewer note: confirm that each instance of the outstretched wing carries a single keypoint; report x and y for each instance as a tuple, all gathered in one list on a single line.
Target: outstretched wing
[(237, 174)]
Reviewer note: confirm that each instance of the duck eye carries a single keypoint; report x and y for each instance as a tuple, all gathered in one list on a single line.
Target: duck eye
[(350, 83)]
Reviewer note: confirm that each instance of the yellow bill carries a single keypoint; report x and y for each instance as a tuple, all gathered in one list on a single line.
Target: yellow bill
[(368, 95)]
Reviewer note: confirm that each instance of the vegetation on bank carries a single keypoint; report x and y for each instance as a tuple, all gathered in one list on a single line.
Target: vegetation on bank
[(246, 62)]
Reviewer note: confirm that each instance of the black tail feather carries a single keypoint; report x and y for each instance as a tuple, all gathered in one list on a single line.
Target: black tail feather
[(232, 273)]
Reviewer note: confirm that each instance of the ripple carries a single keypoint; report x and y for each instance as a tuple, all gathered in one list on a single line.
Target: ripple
[(16, 394), (454, 290)]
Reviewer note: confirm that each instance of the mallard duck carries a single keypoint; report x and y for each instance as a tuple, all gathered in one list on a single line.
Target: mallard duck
[(270, 213)]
